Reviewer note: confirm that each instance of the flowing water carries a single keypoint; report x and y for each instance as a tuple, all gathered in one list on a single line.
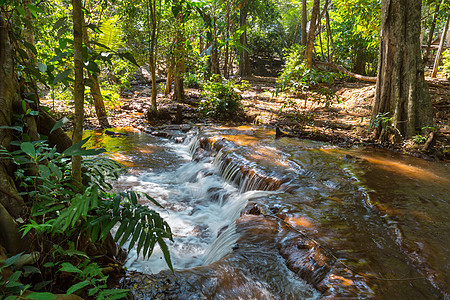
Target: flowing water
[(259, 218)]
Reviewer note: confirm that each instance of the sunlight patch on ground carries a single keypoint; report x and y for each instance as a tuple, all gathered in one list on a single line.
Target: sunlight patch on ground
[(404, 169)]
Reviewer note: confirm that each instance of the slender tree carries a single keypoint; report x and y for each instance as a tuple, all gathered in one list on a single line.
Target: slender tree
[(244, 59), (312, 33), (304, 22), (437, 61), (153, 25), (401, 93), (78, 85)]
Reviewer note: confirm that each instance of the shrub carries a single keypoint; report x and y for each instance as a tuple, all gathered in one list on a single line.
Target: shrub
[(221, 100), (446, 61), (298, 78)]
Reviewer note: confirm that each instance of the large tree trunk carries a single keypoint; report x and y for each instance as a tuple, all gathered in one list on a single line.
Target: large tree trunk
[(312, 33), (12, 205), (244, 59), (78, 85), (401, 92)]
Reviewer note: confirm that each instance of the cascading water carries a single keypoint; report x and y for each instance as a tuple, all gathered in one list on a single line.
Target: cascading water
[(201, 207), (258, 218)]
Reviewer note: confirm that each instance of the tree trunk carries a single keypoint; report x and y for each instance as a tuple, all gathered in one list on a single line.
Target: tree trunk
[(227, 43), (441, 47), (78, 85), (304, 22), (244, 59), (312, 33), (12, 205), (214, 51), (431, 33), (96, 92), (401, 92), (330, 36), (152, 27), (178, 79)]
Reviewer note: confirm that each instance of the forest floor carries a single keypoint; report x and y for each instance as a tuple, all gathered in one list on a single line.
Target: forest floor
[(345, 120)]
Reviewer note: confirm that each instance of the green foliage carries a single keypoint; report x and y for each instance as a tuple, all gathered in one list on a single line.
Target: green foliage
[(193, 80), (382, 121), (221, 100), (446, 63), (63, 210), (298, 78), (355, 29), (11, 287)]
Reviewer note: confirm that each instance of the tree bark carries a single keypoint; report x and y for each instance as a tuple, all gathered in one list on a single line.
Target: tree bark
[(78, 85), (431, 33), (304, 22), (152, 27), (330, 36), (401, 92), (312, 33), (178, 79), (441, 47), (244, 59), (11, 204)]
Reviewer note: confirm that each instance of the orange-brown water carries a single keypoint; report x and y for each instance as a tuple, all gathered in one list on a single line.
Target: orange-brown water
[(383, 215)]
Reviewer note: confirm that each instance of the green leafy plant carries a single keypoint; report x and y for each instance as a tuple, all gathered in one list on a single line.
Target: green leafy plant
[(382, 121), (193, 80), (221, 100), (11, 287), (63, 210), (446, 63), (296, 77)]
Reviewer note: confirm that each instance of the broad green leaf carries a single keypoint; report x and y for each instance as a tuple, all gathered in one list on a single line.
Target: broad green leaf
[(15, 276), (59, 56), (56, 170), (18, 128), (130, 57), (42, 67), (60, 123), (107, 227), (121, 229), (31, 47), (141, 238), (149, 244), (61, 76), (68, 267), (166, 252), (40, 296), (135, 236), (128, 232), (34, 10), (60, 23), (153, 200), (28, 148), (61, 31), (76, 149), (78, 286), (44, 171), (92, 66)]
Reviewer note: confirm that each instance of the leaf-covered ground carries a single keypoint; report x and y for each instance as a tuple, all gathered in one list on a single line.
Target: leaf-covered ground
[(343, 120)]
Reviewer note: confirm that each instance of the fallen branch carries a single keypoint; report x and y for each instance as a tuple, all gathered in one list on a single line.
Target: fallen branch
[(439, 85), (346, 72)]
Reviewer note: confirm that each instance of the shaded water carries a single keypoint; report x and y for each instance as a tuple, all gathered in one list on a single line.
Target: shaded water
[(259, 218)]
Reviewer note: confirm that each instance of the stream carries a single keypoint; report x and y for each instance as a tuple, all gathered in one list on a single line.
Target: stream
[(259, 218)]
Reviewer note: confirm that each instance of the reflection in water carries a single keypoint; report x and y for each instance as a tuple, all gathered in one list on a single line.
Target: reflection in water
[(379, 213)]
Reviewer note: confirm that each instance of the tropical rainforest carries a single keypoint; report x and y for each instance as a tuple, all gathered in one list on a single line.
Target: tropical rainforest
[(340, 73)]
